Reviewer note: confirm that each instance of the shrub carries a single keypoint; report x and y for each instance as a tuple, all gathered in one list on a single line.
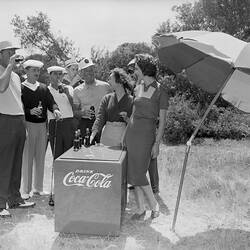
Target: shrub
[(180, 119)]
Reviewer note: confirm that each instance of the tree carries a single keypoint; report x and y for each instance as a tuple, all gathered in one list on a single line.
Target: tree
[(35, 32), (120, 57)]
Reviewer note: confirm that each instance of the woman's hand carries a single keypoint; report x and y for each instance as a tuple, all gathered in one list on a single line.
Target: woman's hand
[(155, 150)]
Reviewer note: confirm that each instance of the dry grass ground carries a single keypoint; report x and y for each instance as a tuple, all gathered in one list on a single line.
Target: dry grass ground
[(214, 211)]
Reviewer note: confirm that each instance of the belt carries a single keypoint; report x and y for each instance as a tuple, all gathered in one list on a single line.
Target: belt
[(12, 116), (62, 119)]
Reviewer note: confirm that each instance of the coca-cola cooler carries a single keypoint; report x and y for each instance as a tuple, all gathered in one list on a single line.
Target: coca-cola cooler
[(90, 190)]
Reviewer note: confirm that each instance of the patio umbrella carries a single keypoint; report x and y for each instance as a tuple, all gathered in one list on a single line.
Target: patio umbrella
[(216, 62)]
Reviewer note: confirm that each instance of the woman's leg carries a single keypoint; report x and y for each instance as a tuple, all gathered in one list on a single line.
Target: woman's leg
[(139, 198), (150, 197)]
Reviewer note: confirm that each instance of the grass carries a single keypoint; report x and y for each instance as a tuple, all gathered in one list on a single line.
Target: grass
[(214, 211)]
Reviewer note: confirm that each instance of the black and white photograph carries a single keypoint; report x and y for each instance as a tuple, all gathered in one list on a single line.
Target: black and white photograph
[(125, 125)]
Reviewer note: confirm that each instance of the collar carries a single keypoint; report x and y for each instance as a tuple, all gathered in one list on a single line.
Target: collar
[(146, 87), (31, 86)]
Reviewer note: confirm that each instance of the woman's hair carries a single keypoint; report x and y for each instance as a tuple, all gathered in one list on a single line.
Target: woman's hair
[(122, 78), (147, 64)]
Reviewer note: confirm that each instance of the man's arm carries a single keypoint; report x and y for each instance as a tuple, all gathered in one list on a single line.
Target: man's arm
[(5, 76)]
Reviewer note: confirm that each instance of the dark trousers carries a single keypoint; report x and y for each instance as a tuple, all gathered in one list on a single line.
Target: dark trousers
[(64, 135), (12, 138), (87, 123), (153, 175)]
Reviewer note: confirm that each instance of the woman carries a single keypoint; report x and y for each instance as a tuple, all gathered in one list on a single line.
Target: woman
[(114, 111), (142, 142)]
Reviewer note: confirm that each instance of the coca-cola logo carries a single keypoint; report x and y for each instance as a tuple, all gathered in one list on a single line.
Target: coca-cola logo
[(88, 179)]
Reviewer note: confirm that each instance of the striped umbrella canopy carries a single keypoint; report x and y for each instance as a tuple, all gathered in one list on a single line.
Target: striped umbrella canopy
[(210, 59)]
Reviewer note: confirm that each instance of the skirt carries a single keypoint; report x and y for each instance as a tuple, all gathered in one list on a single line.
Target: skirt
[(139, 140), (112, 133)]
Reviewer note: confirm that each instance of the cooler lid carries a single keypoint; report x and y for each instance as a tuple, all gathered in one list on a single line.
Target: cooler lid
[(95, 153)]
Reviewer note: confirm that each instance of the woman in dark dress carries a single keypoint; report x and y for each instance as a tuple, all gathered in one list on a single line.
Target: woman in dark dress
[(151, 102), (114, 111)]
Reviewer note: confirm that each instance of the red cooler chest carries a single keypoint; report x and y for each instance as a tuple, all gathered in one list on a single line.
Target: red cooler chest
[(90, 190)]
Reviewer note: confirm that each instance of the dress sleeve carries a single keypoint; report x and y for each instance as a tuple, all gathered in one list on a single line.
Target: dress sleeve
[(164, 99), (101, 117)]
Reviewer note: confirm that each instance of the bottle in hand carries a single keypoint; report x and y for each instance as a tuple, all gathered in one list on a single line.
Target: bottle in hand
[(41, 109)]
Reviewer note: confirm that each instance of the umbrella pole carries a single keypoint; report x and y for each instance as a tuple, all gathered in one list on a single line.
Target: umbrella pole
[(189, 143)]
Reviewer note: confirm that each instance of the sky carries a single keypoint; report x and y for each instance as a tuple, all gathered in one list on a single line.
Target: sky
[(104, 24)]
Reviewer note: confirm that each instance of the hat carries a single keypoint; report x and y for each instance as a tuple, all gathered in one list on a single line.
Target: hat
[(85, 63), (7, 45), (32, 63), (132, 62), (55, 68), (71, 61)]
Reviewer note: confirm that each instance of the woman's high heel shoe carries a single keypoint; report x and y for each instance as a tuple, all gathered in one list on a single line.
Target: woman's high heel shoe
[(137, 216)]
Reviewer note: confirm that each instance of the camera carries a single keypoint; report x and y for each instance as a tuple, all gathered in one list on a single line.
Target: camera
[(19, 59)]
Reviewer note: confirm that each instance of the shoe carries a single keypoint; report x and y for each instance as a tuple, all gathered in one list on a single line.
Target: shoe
[(24, 204), (36, 193), (131, 187), (155, 214), (4, 213), (137, 216), (25, 196)]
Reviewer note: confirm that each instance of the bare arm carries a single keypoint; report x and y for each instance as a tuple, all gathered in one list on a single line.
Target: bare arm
[(5, 76)]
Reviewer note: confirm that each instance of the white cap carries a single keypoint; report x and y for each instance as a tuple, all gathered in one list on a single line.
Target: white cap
[(85, 63), (71, 61), (133, 61), (33, 63), (55, 68), (7, 45)]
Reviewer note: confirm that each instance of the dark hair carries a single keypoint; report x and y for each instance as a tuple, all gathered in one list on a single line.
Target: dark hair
[(122, 77), (147, 64)]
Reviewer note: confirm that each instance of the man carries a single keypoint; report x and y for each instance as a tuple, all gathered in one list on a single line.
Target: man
[(153, 167), (87, 96), (12, 132), (61, 132), (37, 100), (71, 78)]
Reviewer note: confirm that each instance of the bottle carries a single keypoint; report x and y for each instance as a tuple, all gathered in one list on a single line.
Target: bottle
[(93, 109), (87, 138), (80, 138), (75, 142), (41, 108)]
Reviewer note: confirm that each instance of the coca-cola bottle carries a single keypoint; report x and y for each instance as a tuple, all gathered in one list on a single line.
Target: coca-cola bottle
[(76, 142), (80, 138), (87, 138), (93, 115)]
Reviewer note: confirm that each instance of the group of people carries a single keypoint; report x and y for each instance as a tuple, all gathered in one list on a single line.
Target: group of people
[(116, 113)]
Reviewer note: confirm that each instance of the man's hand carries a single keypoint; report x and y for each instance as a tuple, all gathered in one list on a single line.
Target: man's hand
[(57, 114), (12, 61), (87, 113), (36, 111), (124, 116)]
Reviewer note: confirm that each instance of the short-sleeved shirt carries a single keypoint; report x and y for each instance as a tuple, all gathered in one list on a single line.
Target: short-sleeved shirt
[(149, 101), (62, 102), (10, 99), (86, 96)]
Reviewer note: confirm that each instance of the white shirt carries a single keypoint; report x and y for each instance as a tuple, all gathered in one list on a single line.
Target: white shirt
[(10, 99), (62, 102), (31, 86), (91, 95)]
